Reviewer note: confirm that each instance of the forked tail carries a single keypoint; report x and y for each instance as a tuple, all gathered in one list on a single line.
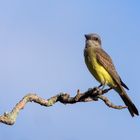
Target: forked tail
[(131, 107)]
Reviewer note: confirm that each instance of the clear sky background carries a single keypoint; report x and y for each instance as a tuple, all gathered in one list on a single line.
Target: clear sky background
[(41, 51)]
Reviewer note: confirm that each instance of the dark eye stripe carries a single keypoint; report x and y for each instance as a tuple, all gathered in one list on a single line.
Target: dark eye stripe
[(95, 38)]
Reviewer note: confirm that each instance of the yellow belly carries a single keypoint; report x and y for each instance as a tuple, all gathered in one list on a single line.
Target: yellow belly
[(99, 72)]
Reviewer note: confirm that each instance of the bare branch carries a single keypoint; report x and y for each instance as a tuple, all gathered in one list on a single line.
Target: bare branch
[(88, 96), (110, 104)]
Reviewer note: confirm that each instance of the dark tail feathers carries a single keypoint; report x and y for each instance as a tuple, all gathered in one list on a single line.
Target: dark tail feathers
[(131, 107)]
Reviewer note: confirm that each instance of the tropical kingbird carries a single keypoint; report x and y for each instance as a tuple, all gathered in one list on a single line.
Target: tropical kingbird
[(102, 68)]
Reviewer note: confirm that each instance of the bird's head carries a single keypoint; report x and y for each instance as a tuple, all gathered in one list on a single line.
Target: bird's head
[(93, 40)]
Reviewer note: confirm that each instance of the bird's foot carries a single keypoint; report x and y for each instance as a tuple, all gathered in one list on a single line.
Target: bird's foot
[(108, 89)]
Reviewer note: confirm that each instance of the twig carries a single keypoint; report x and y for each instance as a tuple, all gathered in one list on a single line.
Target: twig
[(88, 96)]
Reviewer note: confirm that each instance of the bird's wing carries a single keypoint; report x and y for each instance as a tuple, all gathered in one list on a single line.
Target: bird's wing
[(105, 60)]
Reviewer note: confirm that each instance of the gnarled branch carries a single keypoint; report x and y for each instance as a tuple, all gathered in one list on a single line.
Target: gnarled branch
[(88, 96)]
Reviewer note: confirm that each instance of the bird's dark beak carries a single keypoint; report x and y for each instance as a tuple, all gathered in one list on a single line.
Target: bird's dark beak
[(87, 37)]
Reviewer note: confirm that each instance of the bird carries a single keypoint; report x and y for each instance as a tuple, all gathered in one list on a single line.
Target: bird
[(101, 66)]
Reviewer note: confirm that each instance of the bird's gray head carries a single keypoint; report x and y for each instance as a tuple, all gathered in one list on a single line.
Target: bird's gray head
[(93, 40)]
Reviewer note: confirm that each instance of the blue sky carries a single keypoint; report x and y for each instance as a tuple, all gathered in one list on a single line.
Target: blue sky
[(41, 51)]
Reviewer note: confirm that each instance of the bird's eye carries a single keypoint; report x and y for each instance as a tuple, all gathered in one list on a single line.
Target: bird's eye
[(96, 38)]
